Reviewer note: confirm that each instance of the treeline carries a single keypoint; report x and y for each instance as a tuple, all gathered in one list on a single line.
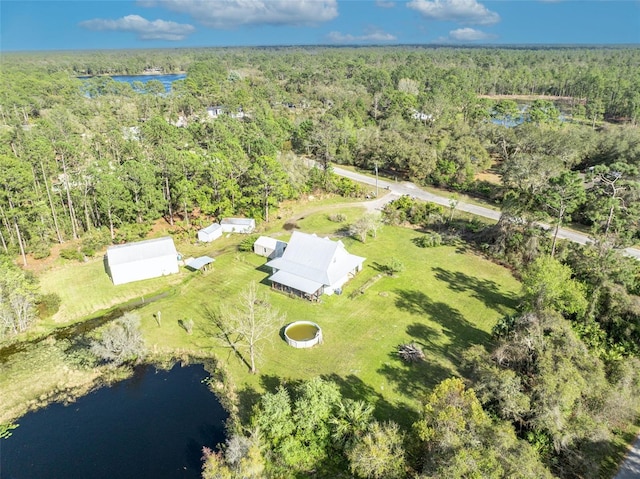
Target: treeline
[(99, 161), (78, 156), (606, 80)]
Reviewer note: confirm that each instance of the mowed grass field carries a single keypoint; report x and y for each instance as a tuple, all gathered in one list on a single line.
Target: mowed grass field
[(445, 300)]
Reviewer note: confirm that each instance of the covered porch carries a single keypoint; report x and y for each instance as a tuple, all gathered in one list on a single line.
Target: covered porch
[(296, 286)]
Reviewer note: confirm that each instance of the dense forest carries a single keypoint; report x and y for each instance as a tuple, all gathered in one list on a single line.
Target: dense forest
[(86, 162)]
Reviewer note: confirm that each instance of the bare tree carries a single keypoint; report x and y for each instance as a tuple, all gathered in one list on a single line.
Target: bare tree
[(245, 326), (121, 340), (369, 224)]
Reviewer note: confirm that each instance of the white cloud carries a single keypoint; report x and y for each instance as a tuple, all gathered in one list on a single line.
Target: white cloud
[(143, 28), (226, 14), (462, 11), (385, 4), (469, 35), (372, 35)]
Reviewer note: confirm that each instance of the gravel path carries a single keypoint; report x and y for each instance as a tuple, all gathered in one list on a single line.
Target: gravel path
[(630, 467)]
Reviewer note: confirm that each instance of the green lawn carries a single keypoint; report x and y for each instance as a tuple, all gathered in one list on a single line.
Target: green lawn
[(86, 288), (445, 300)]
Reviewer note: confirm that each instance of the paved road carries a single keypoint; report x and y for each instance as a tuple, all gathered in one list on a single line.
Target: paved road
[(630, 467), (407, 188)]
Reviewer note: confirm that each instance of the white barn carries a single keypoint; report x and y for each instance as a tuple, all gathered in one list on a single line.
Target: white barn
[(142, 260), (269, 247), (238, 225), (210, 233), (312, 266)]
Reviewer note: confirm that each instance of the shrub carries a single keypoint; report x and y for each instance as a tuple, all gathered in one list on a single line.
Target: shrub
[(247, 243), (337, 218), (94, 241), (48, 305), (132, 232), (71, 253), (393, 266), (428, 240), (41, 250)]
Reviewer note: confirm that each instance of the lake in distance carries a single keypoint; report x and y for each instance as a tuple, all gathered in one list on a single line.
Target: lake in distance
[(150, 426), (166, 80)]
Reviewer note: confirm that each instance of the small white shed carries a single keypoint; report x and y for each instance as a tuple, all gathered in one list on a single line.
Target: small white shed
[(269, 247), (210, 233), (238, 225), (142, 260)]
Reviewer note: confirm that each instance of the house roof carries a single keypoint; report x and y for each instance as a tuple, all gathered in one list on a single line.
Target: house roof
[(237, 221), (199, 262), (141, 250), (316, 259), (211, 229)]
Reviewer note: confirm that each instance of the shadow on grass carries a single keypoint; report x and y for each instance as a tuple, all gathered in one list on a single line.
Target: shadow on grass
[(215, 326), (417, 379), (248, 397), (461, 333), (352, 387), (483, 290)]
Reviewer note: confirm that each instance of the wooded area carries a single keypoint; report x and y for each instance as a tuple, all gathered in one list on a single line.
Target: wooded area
[(89, 162)]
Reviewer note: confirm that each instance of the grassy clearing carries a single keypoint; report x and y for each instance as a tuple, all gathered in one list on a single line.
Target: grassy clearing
[(85, 288), (445, 300)]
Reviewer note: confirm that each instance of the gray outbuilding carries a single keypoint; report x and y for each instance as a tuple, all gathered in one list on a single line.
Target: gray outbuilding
[(269, 247)]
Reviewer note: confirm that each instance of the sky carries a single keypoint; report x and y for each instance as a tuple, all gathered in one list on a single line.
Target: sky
[(27, 25)]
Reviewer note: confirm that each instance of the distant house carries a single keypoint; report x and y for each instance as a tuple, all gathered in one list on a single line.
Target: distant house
[(142, 260), (312, 266), (269, 247), (210, 233), (238, 225), (238, 114), (418, 115), (214, 111)]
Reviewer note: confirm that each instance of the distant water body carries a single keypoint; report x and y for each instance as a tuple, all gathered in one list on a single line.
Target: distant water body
[(166, 80), (152, 426)]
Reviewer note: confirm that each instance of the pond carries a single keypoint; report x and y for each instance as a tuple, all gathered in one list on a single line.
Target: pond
[(166, 80), (151, 426)]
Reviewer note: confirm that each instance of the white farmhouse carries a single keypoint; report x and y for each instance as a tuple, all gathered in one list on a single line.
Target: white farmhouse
[(312, 266), (210, 233), (142, 260)]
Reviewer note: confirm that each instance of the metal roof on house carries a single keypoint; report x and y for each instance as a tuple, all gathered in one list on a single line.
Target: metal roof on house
[(211, 229), (199, 262), (296, 282), (141, 250), (317, 259)]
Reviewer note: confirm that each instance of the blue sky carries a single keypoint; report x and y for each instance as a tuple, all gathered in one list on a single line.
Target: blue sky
[(115, 24)]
